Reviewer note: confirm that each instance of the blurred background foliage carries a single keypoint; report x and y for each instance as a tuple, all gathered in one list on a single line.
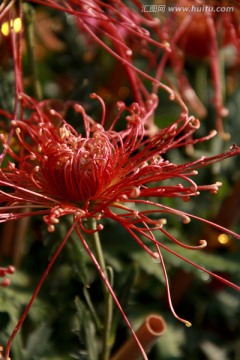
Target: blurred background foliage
[(61, 323)]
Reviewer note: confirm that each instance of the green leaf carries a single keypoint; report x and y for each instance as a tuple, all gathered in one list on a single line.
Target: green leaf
[(211, 262), (79, 259), (38, 343), (148, 264), (87, 329), (169, 346)]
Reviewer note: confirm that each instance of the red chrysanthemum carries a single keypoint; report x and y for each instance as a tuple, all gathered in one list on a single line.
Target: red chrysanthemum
[(57, 167), (199, 30), (100, 174)]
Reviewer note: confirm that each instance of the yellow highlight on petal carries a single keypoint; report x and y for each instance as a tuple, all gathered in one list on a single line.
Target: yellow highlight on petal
[(223, 239), (15, 24)]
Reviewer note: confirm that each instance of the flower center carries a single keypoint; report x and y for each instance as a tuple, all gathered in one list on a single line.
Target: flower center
[(78, 169)]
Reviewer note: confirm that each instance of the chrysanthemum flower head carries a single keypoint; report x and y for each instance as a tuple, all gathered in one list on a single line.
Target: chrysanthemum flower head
[(60, 167)]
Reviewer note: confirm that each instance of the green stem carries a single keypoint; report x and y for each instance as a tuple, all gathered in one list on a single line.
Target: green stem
[(108, 306), (201, 82), (222, 74), (29, 33), (92, 309)]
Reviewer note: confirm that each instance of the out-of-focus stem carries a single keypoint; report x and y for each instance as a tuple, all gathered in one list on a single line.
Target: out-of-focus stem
[(108, 306), (148, 333), (4, 7), (201, 82), (29, 33)]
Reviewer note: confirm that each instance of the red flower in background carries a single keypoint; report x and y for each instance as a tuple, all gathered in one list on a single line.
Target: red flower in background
[(129, 32), (122, 31), (201, 33), (119, 30)]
